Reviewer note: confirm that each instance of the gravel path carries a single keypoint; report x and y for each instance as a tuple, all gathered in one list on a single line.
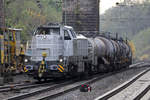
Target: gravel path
[(146, 96), (101, 86), (132, 91)]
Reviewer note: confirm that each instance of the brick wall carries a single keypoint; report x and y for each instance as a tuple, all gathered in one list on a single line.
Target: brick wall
[(83, 15)]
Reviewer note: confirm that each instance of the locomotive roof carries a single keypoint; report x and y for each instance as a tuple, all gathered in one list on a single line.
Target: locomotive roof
[(14, 29), (68, 27), (47, 26), (54, 26)]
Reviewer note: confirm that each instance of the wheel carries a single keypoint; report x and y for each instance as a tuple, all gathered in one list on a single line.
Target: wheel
[(87, 70), (72, 69), (45, 79), (39, 79)]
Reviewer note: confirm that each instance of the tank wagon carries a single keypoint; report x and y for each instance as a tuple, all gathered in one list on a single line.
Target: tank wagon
[(70, 54)]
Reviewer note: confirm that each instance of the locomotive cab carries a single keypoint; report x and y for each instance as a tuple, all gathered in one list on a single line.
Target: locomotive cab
[(57, 42)]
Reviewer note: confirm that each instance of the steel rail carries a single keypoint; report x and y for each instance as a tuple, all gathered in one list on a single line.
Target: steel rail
[(56, 86), (5, 88), (139, 97), (115, 91), (28, 95), (23, 86), (64, 91), (75, 88)]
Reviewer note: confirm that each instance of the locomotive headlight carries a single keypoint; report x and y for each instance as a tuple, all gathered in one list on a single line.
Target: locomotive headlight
[(60, 60), (26, 60), (44, 37)]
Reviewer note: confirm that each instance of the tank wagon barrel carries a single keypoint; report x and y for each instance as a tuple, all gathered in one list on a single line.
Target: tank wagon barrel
[(110, 51)]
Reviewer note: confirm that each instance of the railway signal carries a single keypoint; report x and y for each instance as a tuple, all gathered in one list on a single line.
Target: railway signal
[(85, 88)]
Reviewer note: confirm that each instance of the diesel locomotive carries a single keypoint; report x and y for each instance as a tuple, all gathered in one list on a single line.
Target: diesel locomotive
[(69, 54)]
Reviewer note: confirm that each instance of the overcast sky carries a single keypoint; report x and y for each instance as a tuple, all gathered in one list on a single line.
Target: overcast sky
[(106, 4)]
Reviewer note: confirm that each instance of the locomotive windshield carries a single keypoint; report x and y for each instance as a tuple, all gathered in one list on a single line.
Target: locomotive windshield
[(48, 31), (73, 33)]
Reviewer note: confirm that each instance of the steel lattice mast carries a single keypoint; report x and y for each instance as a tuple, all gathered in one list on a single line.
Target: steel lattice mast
[(2, 16)]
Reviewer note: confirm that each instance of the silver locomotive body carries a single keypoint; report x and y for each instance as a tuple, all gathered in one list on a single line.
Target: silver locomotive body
[(69, 54), (63, 47)]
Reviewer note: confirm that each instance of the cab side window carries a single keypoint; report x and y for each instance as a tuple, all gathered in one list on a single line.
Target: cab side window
[(66, 35), (11, 36)]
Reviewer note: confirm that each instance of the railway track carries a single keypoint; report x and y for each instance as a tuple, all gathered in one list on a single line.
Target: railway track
[(54, 90), (134, 89), (22, 86), (37, 92), (73, 84), (143, 93), (62, 88), (8, 87), (32, 85), (75, 87)]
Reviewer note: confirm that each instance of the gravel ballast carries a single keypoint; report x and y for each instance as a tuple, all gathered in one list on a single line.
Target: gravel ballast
[(102, 86), (98, 88)]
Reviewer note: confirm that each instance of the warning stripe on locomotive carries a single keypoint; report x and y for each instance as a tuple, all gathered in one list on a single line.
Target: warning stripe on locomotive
[(25, 69), (60, 68)]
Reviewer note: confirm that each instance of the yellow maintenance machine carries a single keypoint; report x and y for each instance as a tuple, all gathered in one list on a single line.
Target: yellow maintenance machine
[(10, 50)]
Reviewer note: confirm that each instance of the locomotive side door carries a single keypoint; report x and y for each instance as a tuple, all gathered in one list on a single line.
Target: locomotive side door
[(68, 43)]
